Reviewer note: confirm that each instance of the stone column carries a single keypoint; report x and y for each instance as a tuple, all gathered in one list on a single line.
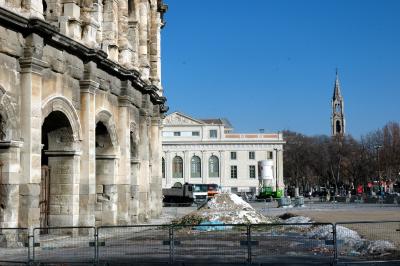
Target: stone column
[(31, 128), (144, 175), (134, 174), (156, 175), (88, 158), (124, 179)]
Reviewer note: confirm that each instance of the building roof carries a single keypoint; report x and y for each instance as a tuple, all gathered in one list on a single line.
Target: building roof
[(217, 121)]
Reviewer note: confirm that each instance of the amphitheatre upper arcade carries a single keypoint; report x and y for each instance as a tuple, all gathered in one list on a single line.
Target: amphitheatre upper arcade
[(81, 107)]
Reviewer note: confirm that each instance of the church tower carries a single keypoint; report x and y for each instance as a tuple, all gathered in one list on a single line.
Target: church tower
[(337, 120)]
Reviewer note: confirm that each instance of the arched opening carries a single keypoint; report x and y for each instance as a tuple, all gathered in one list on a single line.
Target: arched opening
[(131, 9), (338, 127), (177, 167), (106, 169), (60, 160), (195, 167), (213, 166)]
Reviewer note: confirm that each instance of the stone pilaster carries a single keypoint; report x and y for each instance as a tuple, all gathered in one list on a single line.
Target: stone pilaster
[(155, 49), (144, 63), (88, 158), (31, 128), (133, 38), (186, 166), (124, 179), (9, 183), (110, 29), (221, 169), (70, 22), (204, 166), (35, 8), (144, 174), (168, 169), (156, 175), (125, 47)]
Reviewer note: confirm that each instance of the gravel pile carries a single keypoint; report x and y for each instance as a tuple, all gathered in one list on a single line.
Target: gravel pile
[(227, 208)]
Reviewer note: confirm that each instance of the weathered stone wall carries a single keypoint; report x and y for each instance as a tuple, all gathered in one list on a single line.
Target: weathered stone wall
[(79, 93)]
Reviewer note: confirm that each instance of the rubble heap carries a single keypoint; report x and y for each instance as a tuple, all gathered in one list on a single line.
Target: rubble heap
[(227, 208)]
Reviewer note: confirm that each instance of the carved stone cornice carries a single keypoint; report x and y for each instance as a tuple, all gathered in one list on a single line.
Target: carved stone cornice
[(52, 36)]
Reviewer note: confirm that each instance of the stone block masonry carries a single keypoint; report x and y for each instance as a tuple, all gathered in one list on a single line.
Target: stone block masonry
[(81, 107)]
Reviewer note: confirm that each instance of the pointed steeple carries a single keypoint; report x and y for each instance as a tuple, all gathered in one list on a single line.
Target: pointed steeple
[(338, 122), (336, 93)]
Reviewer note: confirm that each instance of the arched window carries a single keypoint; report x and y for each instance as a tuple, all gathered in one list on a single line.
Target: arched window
[(163, 167), (213, 166), (195, 167), (177, 167)]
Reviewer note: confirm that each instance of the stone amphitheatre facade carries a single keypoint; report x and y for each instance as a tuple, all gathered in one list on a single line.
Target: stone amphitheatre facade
[(81, 107)]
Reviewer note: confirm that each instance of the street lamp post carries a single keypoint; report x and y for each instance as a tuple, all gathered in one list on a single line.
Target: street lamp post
[(377, 147)]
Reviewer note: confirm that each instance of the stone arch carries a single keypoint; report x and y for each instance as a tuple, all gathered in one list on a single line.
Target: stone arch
[(9, 127), (106, 118), (59, 103)]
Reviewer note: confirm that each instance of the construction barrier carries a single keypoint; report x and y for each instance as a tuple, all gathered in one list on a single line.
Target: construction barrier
[(343, 243)]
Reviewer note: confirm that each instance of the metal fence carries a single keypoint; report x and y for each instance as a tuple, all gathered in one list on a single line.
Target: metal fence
[(311, 243), (14, 246), (367, 242), (133, 244), (58, 245)]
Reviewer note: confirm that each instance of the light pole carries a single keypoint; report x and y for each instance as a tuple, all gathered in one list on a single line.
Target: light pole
[(377, 147)]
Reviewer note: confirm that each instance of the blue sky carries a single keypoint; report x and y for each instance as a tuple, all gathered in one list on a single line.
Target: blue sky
[(271, 63)]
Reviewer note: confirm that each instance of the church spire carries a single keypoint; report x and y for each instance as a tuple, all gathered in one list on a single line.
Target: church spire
[(337, 118), (336, 93)]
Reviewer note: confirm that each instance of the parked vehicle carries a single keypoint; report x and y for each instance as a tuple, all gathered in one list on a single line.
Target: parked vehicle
[(200, 193), (213, 189), (178, 195)]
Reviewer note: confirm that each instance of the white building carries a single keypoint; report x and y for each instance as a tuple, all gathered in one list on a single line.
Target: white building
[(207, 151)]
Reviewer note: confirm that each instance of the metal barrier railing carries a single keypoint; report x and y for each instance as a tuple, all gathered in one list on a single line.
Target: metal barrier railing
[(270, 243), (133, 244), (219, 243), (64, 245), (14, 245), (367, 242), (340, 243)]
